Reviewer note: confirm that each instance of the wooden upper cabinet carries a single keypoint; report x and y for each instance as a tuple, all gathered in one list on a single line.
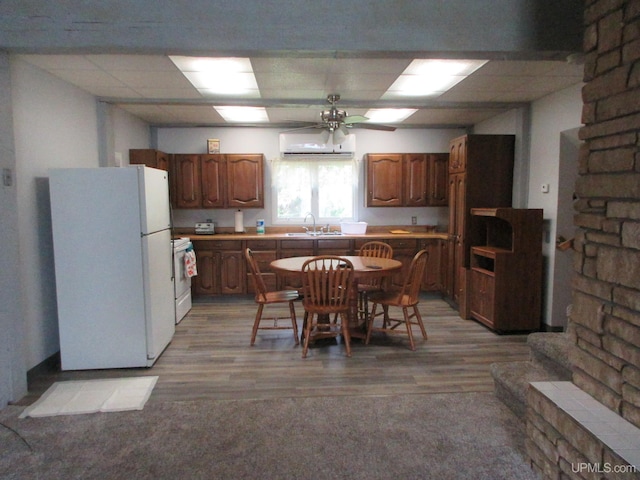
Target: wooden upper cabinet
[(245, 183), (149, 157), (406, 180), (218, 181), (212, 169), (384, 180), (416, 174), (458, 155), (438, 181), (185, 178)]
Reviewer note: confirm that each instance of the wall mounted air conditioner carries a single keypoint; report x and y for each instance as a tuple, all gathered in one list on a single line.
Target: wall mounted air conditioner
[(315, 143)]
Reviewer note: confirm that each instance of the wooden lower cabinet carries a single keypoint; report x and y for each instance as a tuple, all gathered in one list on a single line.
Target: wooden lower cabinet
[(294, 248), (403, 250), (432, 280), (221, 268), (265, 252), (482, 295)]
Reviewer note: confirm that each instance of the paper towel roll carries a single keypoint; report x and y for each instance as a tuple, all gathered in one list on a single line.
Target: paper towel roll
[(239, 222)]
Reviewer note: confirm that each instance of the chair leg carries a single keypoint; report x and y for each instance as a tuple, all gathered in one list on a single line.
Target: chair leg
[(419, 321), (256, 323), (407, 322), (370, 323), (346, 336), (294, 322), (308, 323)]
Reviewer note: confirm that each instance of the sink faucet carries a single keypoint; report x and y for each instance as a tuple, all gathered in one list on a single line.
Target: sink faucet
[(314, 232)]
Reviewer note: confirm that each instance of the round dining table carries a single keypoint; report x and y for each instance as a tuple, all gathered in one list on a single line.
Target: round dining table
[(364, 269)]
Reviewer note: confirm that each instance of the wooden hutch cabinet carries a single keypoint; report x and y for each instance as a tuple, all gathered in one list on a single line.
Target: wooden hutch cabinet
[(505, 285), (406, 180), (218, 181), (480, 175), (149, 157)]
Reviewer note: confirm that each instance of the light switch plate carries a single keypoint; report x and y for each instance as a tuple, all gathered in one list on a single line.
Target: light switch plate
[(544, 188)]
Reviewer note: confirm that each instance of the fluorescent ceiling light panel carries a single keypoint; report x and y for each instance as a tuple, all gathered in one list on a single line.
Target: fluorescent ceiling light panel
[(219, 76), (431, 78), (243, 114), (389, 115)]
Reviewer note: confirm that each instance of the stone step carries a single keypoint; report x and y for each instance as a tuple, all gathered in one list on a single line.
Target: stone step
[(511, 380), (551, 351)]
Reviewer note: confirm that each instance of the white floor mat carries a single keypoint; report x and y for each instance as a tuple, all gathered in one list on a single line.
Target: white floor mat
[(90, 396)]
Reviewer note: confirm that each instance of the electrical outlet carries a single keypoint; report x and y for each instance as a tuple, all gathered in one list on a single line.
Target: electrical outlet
[(414, 220)]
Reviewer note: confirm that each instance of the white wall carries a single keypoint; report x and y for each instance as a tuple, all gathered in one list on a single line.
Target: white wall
[(13, 381), (550, 116), (127, 132), (55, 126), (266, 140)]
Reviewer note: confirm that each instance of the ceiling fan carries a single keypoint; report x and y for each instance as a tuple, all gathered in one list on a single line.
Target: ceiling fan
[(336, 121)]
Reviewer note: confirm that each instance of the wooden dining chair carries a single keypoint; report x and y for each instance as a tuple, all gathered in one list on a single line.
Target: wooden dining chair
[(405, 298), (327, 281), (264, 297), (374, 249)]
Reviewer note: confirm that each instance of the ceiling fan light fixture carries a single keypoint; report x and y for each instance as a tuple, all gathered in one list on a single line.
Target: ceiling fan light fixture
[(340, 135)]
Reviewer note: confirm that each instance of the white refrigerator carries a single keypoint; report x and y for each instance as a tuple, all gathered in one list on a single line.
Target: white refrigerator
[(113, 265)]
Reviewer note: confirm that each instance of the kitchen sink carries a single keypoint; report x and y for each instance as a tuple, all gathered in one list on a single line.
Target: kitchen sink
[(311, 234)]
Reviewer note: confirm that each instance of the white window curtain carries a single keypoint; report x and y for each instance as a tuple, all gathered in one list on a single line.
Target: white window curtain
[(323, 186)]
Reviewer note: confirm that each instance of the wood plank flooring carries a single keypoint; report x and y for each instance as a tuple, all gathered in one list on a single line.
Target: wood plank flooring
[(210, 358)]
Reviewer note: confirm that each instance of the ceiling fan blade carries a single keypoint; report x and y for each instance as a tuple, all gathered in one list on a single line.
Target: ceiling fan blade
[(311, 126), (355, 119), (375, 126)]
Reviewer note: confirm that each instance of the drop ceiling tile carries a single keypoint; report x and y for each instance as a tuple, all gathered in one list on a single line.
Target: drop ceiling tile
[(60, 62), (518, 68), (168, 93), (146, 63), (150, 79), (288, 80), (88, 79)]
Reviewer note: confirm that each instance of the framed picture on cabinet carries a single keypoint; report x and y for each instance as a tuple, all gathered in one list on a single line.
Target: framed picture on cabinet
[(213, 145)]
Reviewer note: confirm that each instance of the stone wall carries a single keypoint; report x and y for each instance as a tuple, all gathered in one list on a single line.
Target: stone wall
[(605, 320)]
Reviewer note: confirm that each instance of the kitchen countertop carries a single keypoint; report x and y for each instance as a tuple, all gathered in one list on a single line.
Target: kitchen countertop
[(383, 232)]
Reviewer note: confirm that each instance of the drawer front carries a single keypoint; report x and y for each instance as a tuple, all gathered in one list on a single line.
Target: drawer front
[(218, 244), (264, 259), (334, 244), (262, 244), (297, 244), (403, 243), (304, 252)]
